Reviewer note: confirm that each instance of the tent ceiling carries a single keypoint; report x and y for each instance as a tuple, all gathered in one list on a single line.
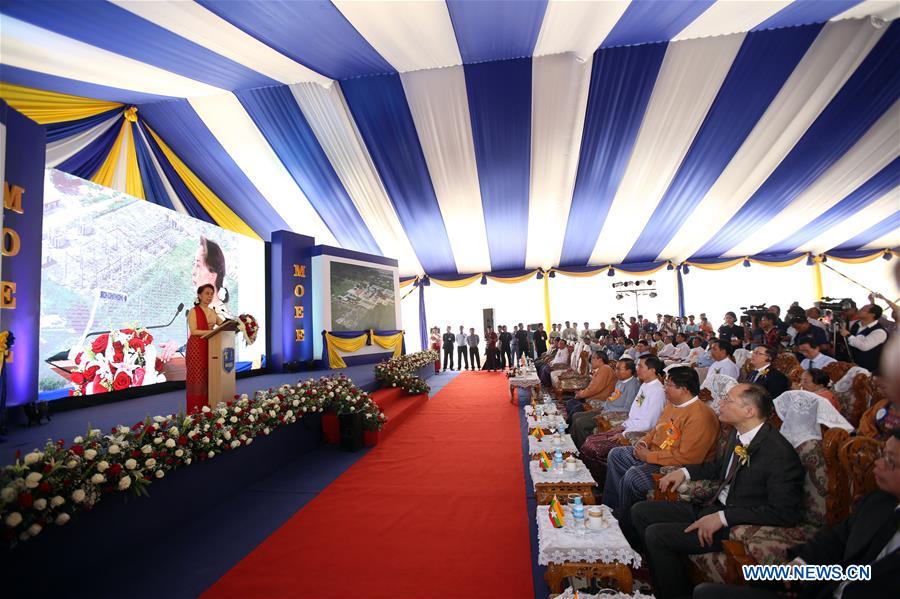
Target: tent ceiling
[(474, 136)]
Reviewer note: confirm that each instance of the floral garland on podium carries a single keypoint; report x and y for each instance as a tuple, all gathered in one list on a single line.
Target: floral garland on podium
[(400, 372), (48, 487)]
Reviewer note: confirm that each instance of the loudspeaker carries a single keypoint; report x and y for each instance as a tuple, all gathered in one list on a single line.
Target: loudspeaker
[(487, 315), (351, 431)]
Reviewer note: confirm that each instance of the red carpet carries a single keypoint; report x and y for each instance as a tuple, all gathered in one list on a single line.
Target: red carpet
[(437, 509)]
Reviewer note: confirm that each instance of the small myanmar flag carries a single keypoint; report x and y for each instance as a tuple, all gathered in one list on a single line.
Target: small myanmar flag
[(556, 513), (544, 461), (538, 433)]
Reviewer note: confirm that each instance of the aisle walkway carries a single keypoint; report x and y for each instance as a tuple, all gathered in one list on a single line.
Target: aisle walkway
[(436, 510)]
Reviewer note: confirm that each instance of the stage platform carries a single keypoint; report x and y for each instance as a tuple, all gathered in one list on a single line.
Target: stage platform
[(68, 424)]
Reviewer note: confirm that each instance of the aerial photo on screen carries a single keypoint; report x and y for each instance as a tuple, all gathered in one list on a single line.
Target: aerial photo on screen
[(362, 297)]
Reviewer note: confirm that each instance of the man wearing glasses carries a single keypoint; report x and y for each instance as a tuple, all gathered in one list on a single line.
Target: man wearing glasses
[(870, 536), (764, 374)]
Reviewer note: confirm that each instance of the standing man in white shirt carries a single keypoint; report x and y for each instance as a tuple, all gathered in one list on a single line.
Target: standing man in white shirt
[(722, 352), (462, 349), (867, 341)]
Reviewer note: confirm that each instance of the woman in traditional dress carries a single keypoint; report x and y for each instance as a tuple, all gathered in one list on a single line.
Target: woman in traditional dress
[(201, 320), (208, 268), (491, 355), (436, 346)]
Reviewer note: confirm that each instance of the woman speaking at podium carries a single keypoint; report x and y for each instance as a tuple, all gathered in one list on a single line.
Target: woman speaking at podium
[(201, 319)]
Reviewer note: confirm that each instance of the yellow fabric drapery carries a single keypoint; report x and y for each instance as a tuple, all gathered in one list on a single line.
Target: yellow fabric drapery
[(134, 186), (875, 254), (510, 280), (547, 301), (336, 344), (721, 266), (456, 284), (104, 175), (580, 275), (47, 107), (215, 207), (393, 342), (778, 264), (817, 279), (408, 283)]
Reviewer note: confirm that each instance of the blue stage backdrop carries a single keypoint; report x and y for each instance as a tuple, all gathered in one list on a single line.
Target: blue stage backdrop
[(290, 309), (20, 290)]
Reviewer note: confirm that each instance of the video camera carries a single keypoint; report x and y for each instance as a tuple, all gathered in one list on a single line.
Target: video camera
[(752, 312), (837, 306)]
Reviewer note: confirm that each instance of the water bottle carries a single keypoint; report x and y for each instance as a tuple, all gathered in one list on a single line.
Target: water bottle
[(561, 425), (558, 461), (578, 516)]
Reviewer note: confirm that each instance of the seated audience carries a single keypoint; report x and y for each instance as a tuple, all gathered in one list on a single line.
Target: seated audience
[(682, 349), (642, 348), (763, 487), (617, 402), (685, 433), (869, 536), (816, 381), (812, 355), (668, 350), (603, 381), (642, 417), (722, 352), (697, 351), (763, 373)]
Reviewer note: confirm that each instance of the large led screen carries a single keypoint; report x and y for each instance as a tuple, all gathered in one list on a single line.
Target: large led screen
[(115, 270)]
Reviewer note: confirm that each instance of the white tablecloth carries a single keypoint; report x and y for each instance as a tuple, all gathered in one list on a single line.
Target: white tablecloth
[(547, 422), (528, 380), (581, 475), (606, 545), (603, 594), (547, 444)]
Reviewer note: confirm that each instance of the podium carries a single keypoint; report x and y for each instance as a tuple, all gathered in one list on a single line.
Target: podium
[(221, 363)]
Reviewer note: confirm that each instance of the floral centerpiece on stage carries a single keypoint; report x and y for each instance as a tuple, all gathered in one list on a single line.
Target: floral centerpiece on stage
[(343, 397), (400, 371), (116, 360), (49, 487), (247, 325)]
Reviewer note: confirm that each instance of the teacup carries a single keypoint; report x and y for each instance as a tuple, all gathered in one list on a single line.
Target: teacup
[(595, 519), (571, 464)]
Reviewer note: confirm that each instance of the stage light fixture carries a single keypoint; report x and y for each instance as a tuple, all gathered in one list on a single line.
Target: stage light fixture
[(618, 296), (652, 294), (649, 281)]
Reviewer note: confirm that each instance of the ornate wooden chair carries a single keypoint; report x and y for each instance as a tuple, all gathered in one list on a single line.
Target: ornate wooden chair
[(786, 363), (749, 544)]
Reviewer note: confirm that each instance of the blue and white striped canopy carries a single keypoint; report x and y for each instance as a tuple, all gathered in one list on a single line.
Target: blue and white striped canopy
[(465, 137)]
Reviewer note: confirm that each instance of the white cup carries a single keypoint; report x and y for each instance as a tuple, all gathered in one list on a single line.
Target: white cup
[(571, 464), (595, 519)]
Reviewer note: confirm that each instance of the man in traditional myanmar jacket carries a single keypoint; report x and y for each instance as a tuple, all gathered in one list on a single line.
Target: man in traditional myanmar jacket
[(686, 433)]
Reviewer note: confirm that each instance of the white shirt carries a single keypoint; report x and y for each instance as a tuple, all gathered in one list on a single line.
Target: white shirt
[(817, 362), (724, 366), (562, 357), (867, 342), (461, 339), (695, 354), (682, 351), (646, 408), (745, 439), (667, 351)]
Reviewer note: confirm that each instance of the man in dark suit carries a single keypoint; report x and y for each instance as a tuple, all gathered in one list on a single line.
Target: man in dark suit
[(760, 482), (449, 339), (506, 357), (764, 374), (870, 536)]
